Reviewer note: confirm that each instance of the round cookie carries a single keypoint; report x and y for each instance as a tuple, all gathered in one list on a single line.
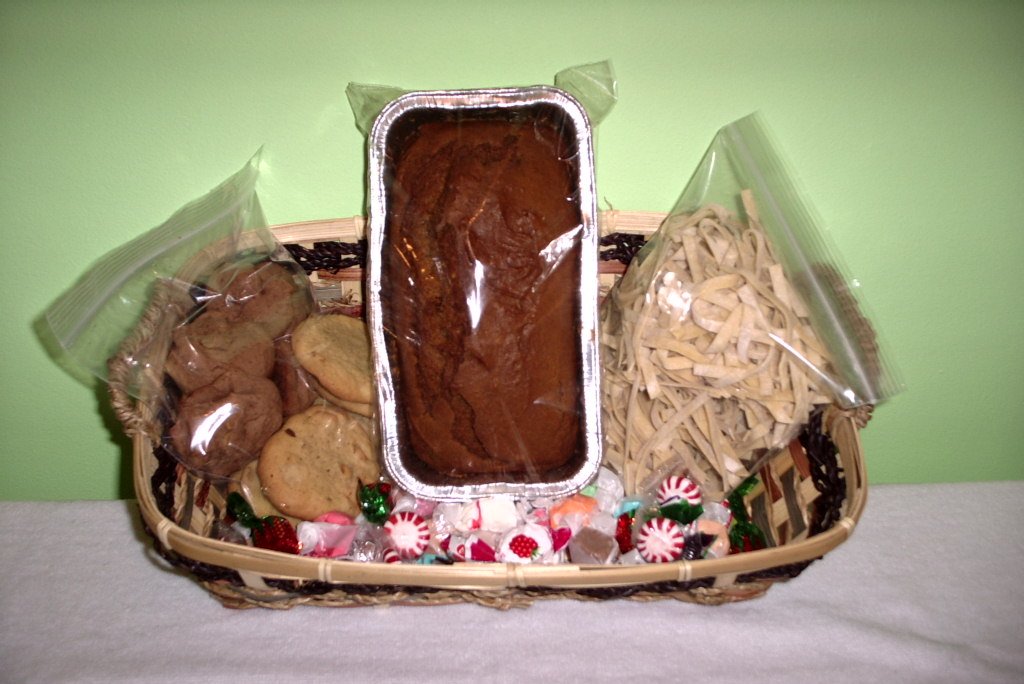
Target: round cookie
[(365, 410), (212, 343), (247, 483), (297, 387), (313, 465), (269, 294), (223, 426), (336, 350)]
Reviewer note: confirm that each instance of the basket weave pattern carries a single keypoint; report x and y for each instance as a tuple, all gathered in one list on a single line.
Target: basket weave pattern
[(808, 500)]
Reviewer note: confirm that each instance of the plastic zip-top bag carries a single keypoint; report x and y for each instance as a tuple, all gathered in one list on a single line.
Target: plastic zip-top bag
[(198, 310), (732, 325)]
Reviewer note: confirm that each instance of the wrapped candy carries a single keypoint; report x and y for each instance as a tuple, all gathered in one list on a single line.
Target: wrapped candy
[(370, 545), (408, 502), (528, 543), (323, 539), (660, 540), (272, 532), (409, 534), (497, 513), (624, 532), (491, 514), (590, 547), (374, 501), (744, 534), (573, 512), (608, 490), (471, 548), (675, 488), (713, 535)]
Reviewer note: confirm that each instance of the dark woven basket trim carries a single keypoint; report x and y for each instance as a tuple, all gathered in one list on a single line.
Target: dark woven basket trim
[(621, 247), (331, 256), (826, 474), (780, 572), (163, 480), (335, 255), (204, 572), (821, 458)]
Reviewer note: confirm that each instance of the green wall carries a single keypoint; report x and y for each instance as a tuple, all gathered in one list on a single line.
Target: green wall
[(902, 118)]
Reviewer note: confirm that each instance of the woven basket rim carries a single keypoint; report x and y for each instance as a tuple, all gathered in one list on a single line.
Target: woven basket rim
[(841, 425)]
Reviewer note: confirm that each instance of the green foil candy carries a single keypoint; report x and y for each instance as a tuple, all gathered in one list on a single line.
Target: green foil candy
[(241, 511), (744, 535), (682, 512), (374, 501)]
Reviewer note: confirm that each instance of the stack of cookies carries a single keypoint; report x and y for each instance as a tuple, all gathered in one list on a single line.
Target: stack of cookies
[(273, 397), (314, 464)]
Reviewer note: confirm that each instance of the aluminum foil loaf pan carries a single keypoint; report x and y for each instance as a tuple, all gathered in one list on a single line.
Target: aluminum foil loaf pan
[(482, 293)]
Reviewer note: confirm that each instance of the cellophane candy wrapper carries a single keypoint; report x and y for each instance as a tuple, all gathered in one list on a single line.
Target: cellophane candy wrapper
[(482, 256), (732, 325), (199, 311)]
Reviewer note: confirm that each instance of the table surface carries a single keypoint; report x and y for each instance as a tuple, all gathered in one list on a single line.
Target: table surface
[(928, 589)]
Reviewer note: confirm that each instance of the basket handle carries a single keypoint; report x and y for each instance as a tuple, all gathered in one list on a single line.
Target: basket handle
[(126, 370)]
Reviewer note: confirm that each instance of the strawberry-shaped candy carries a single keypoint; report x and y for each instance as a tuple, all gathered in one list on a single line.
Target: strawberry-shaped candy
[(624, 532), (523, 546), (272, 532), (276, 534), (527, 543)]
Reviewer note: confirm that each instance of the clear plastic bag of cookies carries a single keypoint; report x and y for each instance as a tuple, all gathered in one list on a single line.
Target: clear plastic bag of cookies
[(195, 317), (732, 325)]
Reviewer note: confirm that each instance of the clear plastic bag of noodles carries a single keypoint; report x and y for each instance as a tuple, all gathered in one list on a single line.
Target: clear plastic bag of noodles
[(732, 325), (193, 319), (481, 290)]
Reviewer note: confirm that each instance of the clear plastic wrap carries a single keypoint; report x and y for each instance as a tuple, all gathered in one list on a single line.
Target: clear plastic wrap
[(90, 320), (592, 85), (199, 311), (732, 325), (482, 262), (482, 292)]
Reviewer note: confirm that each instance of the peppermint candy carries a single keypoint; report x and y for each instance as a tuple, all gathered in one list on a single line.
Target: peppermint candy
[(409, 533), (660, 540), (676, 488)]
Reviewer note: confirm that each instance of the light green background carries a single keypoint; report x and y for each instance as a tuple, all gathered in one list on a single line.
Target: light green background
[(903, 120)]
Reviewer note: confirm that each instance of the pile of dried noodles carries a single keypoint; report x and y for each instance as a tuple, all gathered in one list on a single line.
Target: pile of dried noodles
[(709, 357)]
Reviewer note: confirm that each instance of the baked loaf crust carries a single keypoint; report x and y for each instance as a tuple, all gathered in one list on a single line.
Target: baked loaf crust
[(479, 278)]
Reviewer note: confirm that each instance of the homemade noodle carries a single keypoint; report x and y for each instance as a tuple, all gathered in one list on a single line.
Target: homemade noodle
[(709, 356)]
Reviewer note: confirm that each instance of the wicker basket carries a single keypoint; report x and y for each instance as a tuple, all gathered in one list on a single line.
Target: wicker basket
[(808, 501)]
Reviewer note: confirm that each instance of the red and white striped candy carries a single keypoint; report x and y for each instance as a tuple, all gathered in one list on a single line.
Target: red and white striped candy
[(677, 488), (409, 532), (390, 556), (660, 540)]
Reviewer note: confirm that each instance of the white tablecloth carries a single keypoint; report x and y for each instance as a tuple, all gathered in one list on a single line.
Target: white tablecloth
[(928, 589)]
